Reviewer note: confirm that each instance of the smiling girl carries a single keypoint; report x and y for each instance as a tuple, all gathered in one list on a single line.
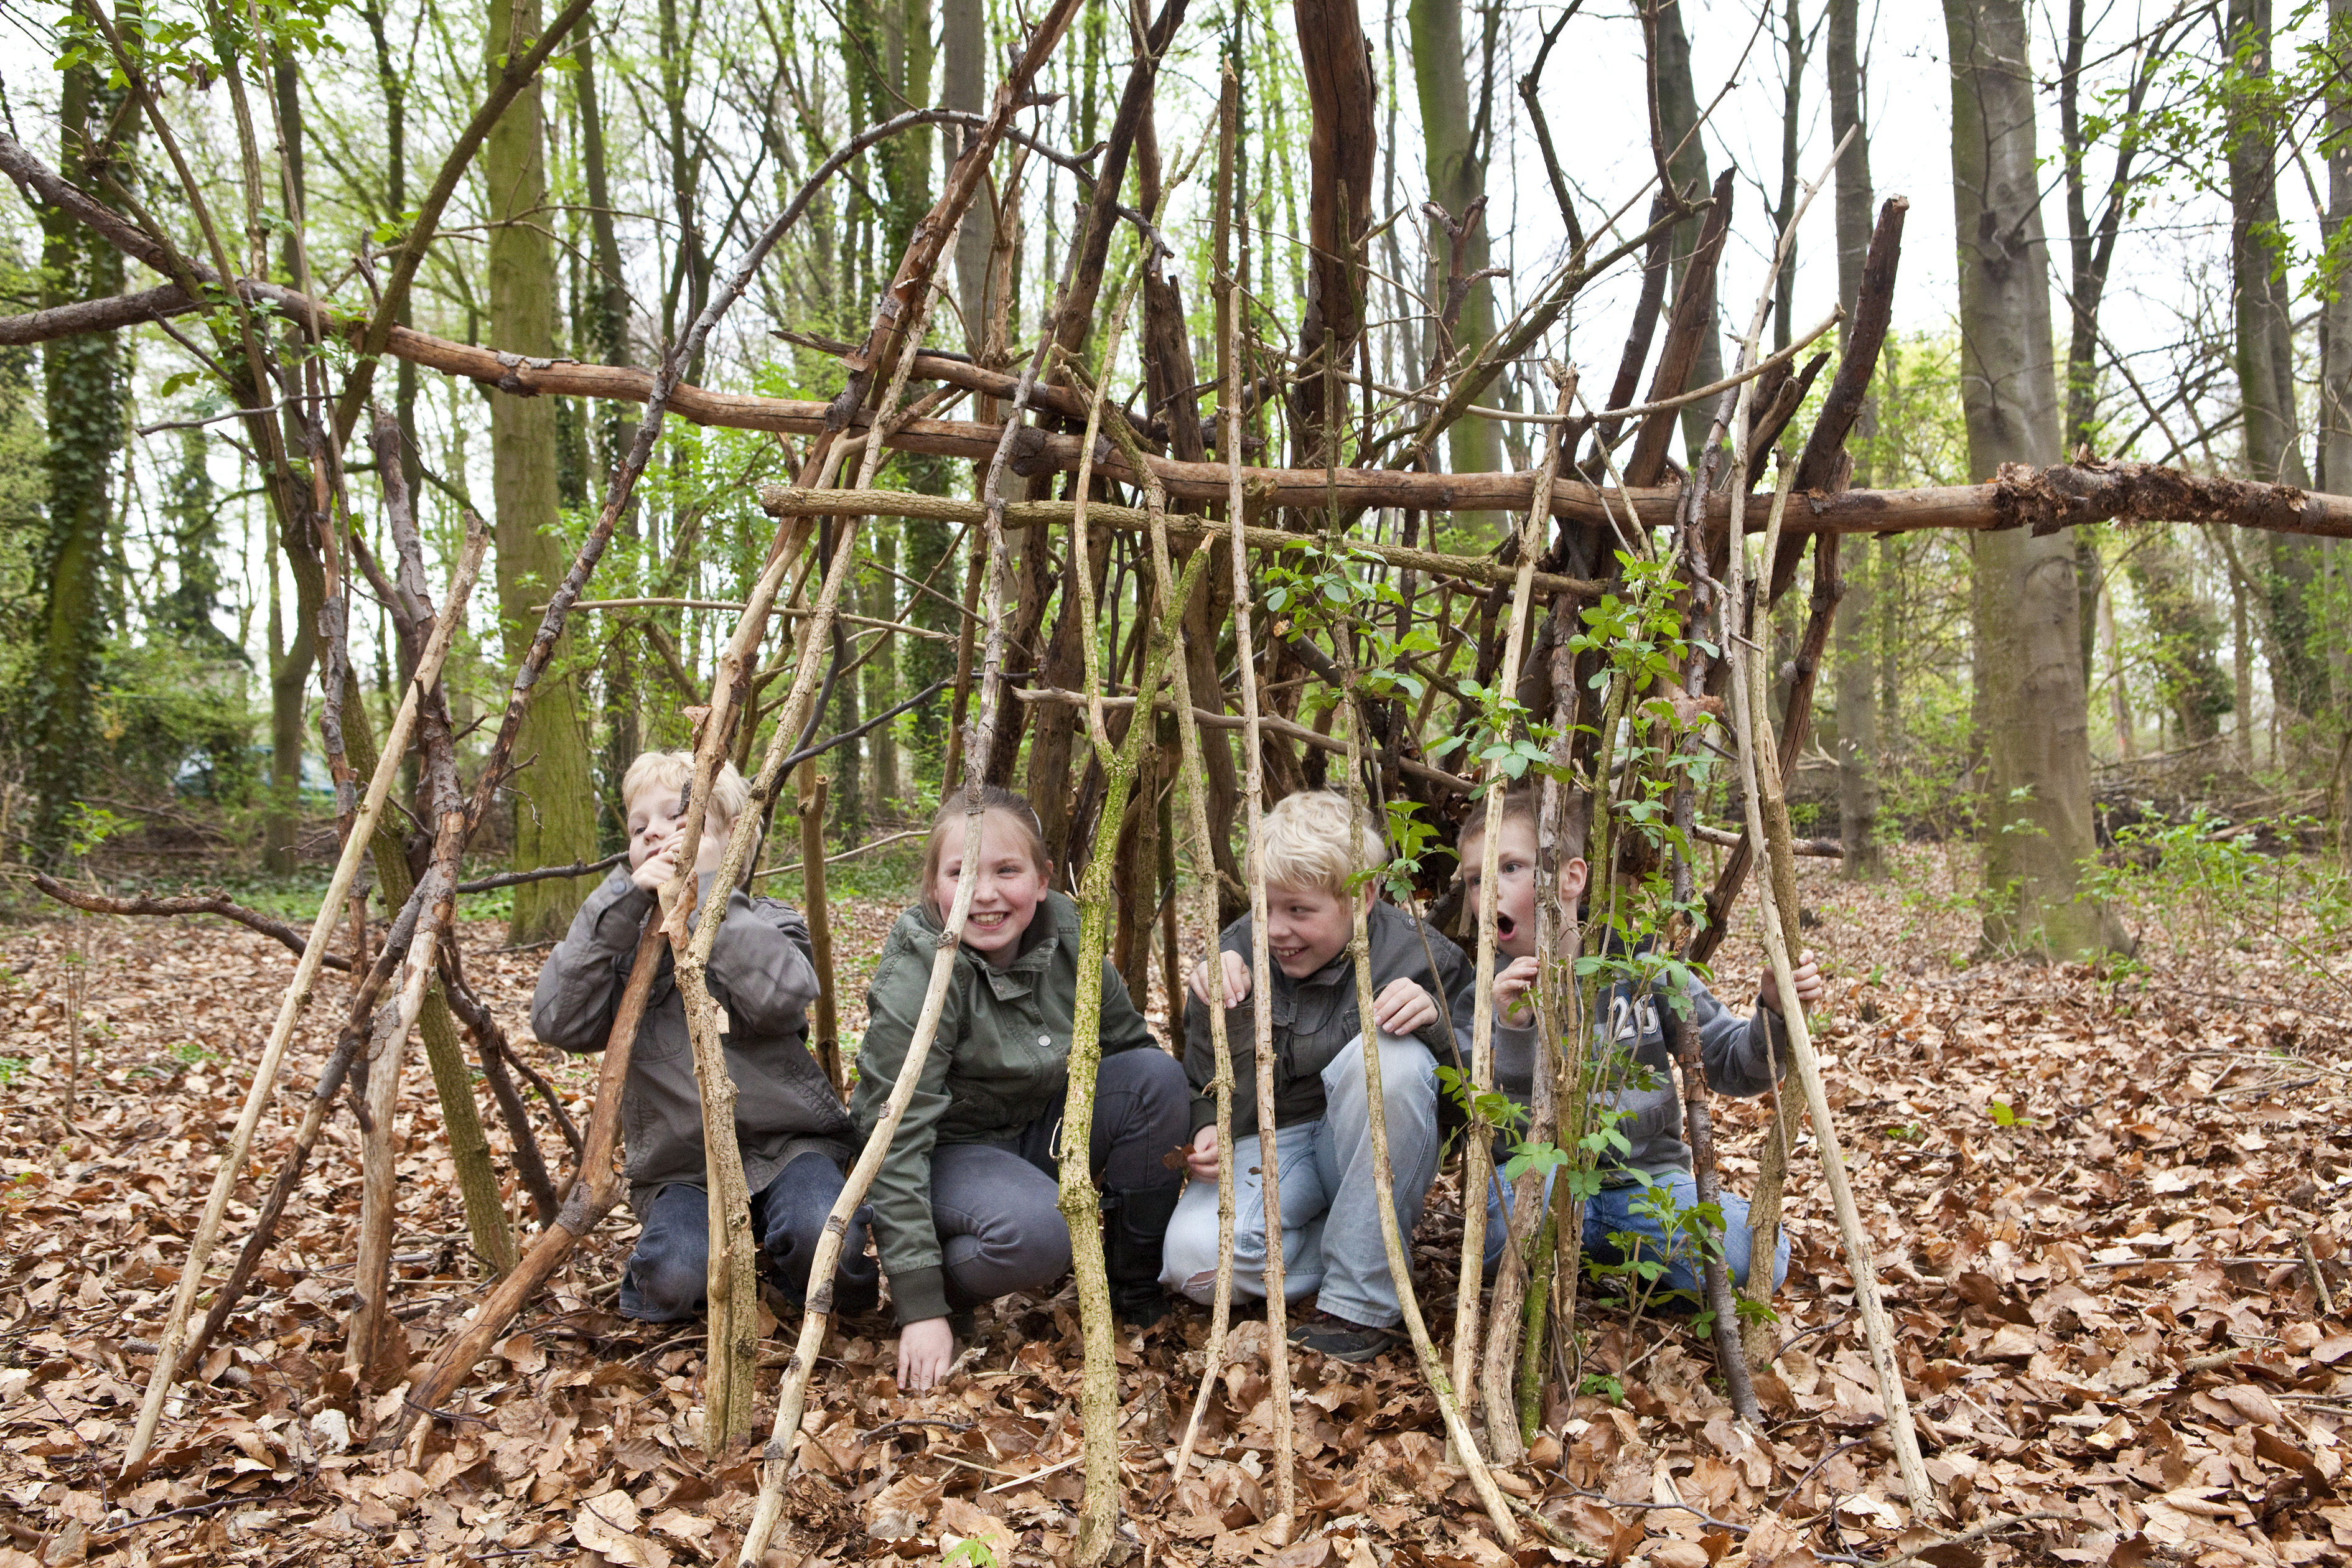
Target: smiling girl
[(964, 1203)]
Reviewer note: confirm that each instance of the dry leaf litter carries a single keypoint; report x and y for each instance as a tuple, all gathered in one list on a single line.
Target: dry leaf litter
[(2104, 1215)]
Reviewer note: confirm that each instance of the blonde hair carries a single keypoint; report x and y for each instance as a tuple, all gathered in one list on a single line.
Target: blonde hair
[(994, 801), (1316, 839), (675, 770)]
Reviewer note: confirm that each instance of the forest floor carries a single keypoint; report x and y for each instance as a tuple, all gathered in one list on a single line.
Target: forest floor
[(2108, 1213)]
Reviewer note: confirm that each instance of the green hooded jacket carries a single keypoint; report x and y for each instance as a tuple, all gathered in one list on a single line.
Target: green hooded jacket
[(1000, 1062)]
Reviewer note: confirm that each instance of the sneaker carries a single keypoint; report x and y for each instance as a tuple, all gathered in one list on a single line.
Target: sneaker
[(1340, 1340)]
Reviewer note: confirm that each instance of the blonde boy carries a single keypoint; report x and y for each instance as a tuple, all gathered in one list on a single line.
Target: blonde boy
[(788, 1123), (1312, 844)]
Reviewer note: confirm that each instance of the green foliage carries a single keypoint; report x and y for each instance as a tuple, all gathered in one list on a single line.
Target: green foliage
[(2198, 885), (10, 1069)]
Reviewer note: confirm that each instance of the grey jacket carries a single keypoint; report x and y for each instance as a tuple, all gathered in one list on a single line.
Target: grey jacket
[(1314, 1019), (1638, 1075), (761, 973)]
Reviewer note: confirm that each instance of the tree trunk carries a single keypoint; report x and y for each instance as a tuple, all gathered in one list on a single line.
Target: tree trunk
[(1857, 706), (1454, 151), (83, 379), (555, 797), (2264, 303), (1340, 143), (965, 51), (2336, 310), (2118, 688), (2188, 633), (2030, 680), (608, 332), (1678, 121)]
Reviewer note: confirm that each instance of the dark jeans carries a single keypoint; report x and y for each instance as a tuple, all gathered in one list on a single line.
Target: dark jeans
[(995, 1204), (670, 1266)]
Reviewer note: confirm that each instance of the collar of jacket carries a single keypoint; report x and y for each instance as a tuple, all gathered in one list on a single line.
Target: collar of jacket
[(1055, 914)]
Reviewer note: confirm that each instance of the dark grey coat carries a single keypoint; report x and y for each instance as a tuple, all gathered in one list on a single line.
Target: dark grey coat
[(1314, 1019), (761, 973)]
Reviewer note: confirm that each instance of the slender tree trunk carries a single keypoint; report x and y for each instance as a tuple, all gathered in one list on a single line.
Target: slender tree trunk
[(2188, 633), (1784, 287), (2031, 691), (83, 378), (2118, 688), (1453, 143), (290, 690), (1857, 706), (1678, 119), (2265, 364), (608, 336), (555, 797)]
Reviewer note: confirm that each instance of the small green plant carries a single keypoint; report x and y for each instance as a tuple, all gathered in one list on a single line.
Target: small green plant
[(2004, 1115), (971, 1552), (1609, 1386), (192, 1053), (10, 1069)]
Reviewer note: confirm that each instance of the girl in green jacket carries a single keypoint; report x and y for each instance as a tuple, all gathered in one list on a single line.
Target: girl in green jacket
[(964, 1204)]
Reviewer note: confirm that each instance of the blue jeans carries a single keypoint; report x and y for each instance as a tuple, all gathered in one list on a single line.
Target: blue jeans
[(1331, 1242), (1623, 1211), (670, 1266)]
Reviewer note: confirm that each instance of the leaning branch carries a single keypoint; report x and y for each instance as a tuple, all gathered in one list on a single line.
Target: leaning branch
[(219, 904)]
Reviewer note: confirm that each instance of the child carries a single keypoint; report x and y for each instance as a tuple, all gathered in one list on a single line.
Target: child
[(789, 1123), (1331, 1244), (965, 1204), (1739, 1055)]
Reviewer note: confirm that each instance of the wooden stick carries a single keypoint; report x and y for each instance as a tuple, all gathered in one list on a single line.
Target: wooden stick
[(297, 993), (1081, 1211), (792, 1397), (1449, 1407), (1254, 726), (1478, 1138), (1748, 702), (219, 904)]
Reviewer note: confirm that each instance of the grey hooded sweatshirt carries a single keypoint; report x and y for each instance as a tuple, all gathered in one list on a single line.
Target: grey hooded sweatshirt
[(1638, 1075)]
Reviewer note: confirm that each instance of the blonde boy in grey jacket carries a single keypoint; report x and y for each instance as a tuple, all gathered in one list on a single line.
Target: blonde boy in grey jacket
[(789, 1123)]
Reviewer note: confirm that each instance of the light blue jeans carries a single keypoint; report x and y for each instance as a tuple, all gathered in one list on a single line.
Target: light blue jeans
[(1623, 1211), (1331, 1244)]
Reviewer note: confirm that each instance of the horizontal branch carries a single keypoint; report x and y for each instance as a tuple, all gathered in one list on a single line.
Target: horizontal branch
[(1272, 723), (543, 874), (220, 904), (2042, 499), (1821, 849), (788, 501)]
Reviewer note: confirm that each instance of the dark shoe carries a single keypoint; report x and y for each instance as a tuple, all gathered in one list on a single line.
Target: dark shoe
[(1132, 1242), (1342, 1341)]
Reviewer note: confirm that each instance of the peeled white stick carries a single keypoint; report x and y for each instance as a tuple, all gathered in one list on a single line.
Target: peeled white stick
[(298, 994), (1875, 1327)]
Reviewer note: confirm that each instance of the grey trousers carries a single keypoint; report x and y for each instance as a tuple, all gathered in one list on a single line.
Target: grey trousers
[(996, 1204), (1331, 1242)]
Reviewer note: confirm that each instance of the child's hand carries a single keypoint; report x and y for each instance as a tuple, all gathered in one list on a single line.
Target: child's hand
[(1402, 1007), (659, 867), (926, 1349), (1201, 1159), (1808, 977), (1237, 979), (1515, 984)]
